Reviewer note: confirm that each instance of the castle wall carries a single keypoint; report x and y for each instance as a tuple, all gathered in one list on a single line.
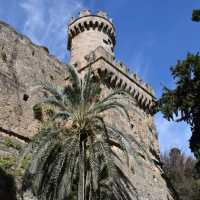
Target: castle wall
[(144, 169), (23, 65)]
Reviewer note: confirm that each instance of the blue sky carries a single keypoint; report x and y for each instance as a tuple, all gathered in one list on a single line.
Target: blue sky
[(151, 37)]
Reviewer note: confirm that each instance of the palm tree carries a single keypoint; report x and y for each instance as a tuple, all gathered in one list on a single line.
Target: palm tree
[(75, 144)]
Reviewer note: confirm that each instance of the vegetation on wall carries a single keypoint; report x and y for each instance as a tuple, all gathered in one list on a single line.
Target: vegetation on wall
[(6, 163), (9, 143)]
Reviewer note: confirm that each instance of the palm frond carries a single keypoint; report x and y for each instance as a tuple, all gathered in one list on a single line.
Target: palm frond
[(90, 87), (117, 94), (114, 105), (53, 89), (139, 145), (64, 115), (74, 79), (67, 162)]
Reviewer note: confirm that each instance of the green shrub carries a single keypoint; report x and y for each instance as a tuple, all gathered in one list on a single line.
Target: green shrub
[(7, 163), (9, 143), (25, 161), (37, 112)]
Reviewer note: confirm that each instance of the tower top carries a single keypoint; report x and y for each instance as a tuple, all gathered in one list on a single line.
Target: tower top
[(85, 13), (89, 31), (91, 40)]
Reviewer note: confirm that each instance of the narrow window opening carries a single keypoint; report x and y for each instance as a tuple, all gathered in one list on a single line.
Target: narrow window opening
[(105, 41), (132, 126), (76, 64), (4, 56), (45, 94), (51, 77), (25, 97)]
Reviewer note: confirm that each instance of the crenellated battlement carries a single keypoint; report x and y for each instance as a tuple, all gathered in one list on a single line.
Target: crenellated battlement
[(135, 77), (85, 13)]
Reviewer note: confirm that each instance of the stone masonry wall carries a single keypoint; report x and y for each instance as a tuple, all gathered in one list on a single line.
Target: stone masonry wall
[(22, 65)]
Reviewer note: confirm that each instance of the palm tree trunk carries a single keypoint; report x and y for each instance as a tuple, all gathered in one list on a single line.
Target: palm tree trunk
[(81, 186)]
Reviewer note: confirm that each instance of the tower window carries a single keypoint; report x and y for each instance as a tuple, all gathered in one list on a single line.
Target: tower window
[(132, 126), (105, 41)]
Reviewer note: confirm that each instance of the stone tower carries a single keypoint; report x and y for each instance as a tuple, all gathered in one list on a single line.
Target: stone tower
[(91, 42), (93, 36), (88, 32)]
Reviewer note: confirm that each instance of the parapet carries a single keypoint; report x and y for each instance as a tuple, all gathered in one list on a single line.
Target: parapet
[(102, 14), (85, 13)]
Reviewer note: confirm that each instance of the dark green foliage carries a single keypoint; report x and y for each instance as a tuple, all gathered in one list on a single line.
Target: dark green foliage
[(6, 163), (37, 112), (7, 186), (72, 154), (9, 143), (183, 102), (180, 171), (196, 15)]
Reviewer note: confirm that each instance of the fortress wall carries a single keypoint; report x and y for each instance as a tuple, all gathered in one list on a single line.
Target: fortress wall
[(22, 65)]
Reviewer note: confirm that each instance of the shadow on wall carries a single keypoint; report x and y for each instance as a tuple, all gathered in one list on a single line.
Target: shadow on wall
[(7, 186)]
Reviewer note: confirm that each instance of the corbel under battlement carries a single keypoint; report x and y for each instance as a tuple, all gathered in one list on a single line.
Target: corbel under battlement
[(104, 64)]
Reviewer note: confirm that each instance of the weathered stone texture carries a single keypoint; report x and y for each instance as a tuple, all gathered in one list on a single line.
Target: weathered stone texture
[(90, 40), (10, 146), (23, 65), (87, 33)]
